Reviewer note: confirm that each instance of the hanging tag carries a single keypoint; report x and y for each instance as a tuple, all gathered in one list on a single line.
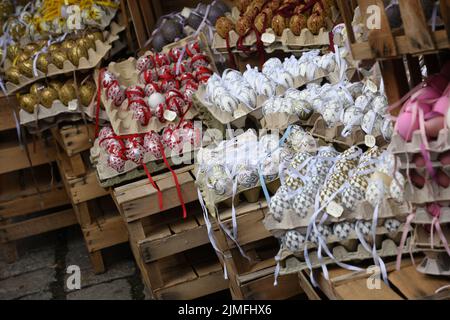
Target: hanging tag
[(370, 140), (186, 12), (73, 105), (268, 38), (334, 209), (169, 115)]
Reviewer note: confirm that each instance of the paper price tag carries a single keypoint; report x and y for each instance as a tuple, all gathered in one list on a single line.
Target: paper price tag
[(73, 105), (169, 115), (268, 38), (334, 209), (370, 141)]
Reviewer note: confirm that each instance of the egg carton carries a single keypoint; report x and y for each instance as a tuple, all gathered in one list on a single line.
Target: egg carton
[(108, 176), (44, 118), (351, 243), (388, 248), (287, 42), (95, 56), (423, 217), (334, 134), (435, 263), (440, 144), (364, 211), (422, 239), (430, 192)]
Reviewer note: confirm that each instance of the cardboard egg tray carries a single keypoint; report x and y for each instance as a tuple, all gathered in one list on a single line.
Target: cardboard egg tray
[(291, 264), (121, 118), (220, 119), (387, 209), (440, 144), (287, 42), (334, 134), (95, 56), (423, 217), (430, 192), (422, 239), (435, 263), (43, 118)]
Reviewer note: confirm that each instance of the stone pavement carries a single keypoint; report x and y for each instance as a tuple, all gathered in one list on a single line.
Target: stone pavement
[(40, 272)]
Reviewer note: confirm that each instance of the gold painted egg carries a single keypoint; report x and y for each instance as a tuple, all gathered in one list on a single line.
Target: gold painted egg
[(76, 53), (87, 91), (30, 48), (26, 68), (48, 95), (36, 89), (42, 62), (68, 44), (86, 42), (28, 102), (95, 35), (67, 93), (57, 85), (12, 51), (54, 47), (58, 58), (13, 75)]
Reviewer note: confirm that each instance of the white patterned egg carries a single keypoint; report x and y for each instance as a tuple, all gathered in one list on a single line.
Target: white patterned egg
[(294, 240), (392, 225), (397, 188), (375, 192), (342, 230), (280, 204)]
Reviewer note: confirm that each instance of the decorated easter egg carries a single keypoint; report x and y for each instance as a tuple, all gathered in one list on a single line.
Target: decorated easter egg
[(293, 240)]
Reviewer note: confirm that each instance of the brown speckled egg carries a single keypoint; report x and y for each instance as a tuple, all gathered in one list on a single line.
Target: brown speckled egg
[(315, 22), (278, 24), (242, 25), (298, 23), (223, 26), (243, 4), (261, 22)]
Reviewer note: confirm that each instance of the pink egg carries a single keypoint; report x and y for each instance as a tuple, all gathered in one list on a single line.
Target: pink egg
[(419, 160), (433, 126), (442, 179), (406, 125), (417, 179), (444, 158)]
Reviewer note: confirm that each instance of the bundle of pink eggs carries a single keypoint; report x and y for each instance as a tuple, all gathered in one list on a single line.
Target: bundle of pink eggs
[(134, 147), (167, 82)]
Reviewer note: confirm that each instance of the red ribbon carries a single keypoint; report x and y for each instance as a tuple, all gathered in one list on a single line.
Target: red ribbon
[(97, 108), (160, 194), (175, 179), (231, 61)]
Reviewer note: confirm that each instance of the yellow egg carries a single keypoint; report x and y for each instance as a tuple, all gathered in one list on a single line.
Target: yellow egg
[(12, 51), (13, 75), (26, 68), (47, 96), (36, 89), (28, 102), (87, 91), (42, 62), (58, 58), (68, 44), (67, 93), (57, 85), (76, 53)]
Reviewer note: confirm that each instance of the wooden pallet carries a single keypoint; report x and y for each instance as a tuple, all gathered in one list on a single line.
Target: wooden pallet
[(251, 279), (407, 283), (96, 213), (173, 254)]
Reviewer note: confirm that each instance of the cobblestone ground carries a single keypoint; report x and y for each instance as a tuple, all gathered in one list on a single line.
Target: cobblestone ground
[(40, 271)]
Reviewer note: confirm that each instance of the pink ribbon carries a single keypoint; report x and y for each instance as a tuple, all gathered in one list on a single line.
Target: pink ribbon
[(434, 210), (409, 219)]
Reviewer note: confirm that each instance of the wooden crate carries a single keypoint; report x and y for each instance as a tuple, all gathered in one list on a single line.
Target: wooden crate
[(100, 222), (414, 38), (173, 254), (252, 279), (406, 283), (28, 208)]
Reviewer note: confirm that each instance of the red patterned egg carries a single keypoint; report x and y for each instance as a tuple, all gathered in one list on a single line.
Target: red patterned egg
[(193, 48), (151, 88), (178, 70), (135, 153), (152, 144), (145, 62), (148, 76), (113, 91), (175, 54), (203, 74), (185, 77), (116, 162), (108, 78), (134, 92), (199, 60), (190, 88), (120, 97), (166, 73), (161, 59), (142, 114), (170, 85)]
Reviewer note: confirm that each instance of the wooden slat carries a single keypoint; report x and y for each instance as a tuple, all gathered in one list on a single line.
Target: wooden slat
[(39, 154), (445, 15), (415, 26), (138, 23), (307, 287), (264, 289), (75, 138), (160, 248), (414, 285), (6, 117), (34, 202), (381, 41), (357, 290), (105, 233), (37, 226), (86, 188)]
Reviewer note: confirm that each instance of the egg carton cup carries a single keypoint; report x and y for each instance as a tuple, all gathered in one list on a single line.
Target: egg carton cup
[(334, 134), (200, 37), (388, 248), (287, 42), (441, 144), (94, 58), (363, 211), (435, 263), (44, 118), (351, 243), (430, 192), (108, 176), (422, 238), (423, 217)]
